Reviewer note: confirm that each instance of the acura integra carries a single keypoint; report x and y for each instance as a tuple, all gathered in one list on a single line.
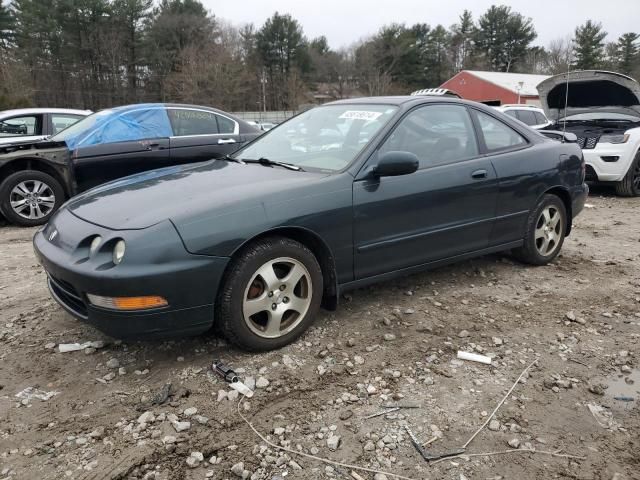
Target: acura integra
[(343, 195)]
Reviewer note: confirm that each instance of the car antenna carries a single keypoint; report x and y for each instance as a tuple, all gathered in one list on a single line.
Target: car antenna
[(566, 94)]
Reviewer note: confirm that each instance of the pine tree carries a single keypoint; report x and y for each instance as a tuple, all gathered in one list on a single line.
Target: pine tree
[(504, 37), (283, 49), (462, 41), (627, 52), (6, 26), (589, 46)]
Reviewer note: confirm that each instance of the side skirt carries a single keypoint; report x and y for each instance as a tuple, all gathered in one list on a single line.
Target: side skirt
[(426, 266)]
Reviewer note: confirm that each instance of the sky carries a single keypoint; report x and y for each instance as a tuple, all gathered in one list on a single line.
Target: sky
[(344, 22)]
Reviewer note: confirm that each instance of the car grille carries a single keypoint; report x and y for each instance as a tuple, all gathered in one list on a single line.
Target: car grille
[(587, 143), (68, 296)]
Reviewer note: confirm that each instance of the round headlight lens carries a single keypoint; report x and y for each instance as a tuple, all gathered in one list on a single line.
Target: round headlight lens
[(95, 243), (118, 252)]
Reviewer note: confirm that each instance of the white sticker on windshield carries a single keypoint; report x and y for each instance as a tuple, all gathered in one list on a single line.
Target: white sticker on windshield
[(360, 115)]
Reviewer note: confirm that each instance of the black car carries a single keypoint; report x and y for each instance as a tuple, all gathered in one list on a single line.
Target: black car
[(37, 177), (254, 243)]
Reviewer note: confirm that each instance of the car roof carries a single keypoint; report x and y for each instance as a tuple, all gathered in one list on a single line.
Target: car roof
[(521, 105), (385, 100), (31, 111), (137, 106), (408, 101)]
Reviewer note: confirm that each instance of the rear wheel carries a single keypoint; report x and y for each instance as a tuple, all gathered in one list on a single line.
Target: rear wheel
[(271, 295), (630, 184), (545, 232), (30, 197)]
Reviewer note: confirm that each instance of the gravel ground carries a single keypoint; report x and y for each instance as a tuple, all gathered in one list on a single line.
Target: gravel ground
[(101, 413)]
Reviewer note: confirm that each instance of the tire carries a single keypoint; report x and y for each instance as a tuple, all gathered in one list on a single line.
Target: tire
[(630, 184), (295, 302), (544, 235), (45, 192)]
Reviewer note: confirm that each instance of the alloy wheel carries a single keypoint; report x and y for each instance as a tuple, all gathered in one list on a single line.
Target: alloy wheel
[(277, 297), (32, 199), (636, 177), (548, 231)]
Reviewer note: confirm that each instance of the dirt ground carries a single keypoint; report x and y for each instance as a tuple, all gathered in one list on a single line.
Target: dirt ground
[(394, 343)]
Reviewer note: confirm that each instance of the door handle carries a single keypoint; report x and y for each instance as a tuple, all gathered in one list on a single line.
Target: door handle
[(224, 141), (479, 174)]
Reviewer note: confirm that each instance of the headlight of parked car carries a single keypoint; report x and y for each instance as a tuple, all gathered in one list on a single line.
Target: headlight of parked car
[(95, 243), (118, 252), (614, 138)]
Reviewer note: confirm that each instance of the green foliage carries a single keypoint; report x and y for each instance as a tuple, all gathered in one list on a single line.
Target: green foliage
[(503, 37), (100, 53), (628, 53), (462, 45), (588, 47), (6, 26), (283, 51)]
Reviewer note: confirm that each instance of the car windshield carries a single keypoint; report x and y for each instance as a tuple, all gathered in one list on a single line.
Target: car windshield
[(79, 127), (619, 117), (326, 138)]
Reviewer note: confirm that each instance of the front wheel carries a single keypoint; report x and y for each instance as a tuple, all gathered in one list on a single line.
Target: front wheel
[(545, 232), (29, 197), (270, 296), (630, 184)]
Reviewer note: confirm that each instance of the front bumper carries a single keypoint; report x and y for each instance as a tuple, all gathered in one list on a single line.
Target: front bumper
[(602, 160), (161, 267)]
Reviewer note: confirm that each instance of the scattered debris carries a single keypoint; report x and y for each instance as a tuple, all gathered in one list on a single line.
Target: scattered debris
[(224, 371), (384, 412), (602, 416), (74, 347), (474, 357), (624, 399), (427, 455), (30, 393), (163, 395)]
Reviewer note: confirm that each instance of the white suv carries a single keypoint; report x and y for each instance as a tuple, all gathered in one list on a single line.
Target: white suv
[(603, 110), (527, 114)]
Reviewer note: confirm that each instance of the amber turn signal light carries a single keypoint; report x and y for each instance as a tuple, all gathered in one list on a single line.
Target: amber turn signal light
[(128, 303)]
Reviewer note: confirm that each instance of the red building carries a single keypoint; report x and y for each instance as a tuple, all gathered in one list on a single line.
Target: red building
[(496, 88)]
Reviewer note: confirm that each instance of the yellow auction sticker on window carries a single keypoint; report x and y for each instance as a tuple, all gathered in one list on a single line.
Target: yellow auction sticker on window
[(360, 115)]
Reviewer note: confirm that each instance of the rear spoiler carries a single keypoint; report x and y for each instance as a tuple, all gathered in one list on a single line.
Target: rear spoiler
[(560, 135)]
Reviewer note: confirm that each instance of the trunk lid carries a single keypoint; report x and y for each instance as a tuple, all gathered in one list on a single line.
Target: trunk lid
[(589, 91)]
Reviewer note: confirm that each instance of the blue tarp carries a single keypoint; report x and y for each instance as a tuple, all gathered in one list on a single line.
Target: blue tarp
[(119, 125)]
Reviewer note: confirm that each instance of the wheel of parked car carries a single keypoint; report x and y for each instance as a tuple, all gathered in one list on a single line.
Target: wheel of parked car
[(630, 185), (30, 197), (271, 294), (545, 232)]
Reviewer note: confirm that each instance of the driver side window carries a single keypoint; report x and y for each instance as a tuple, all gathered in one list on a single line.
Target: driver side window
[(436, 134)]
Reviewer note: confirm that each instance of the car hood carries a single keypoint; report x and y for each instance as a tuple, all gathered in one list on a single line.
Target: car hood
[(184, 193), (589, 91)]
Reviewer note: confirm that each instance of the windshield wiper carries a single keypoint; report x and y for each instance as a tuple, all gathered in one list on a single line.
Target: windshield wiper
[(269, 163), (229, 158)]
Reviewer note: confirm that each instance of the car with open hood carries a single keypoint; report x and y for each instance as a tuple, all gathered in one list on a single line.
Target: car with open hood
[(254, 243), (603, 110), (36, 177)]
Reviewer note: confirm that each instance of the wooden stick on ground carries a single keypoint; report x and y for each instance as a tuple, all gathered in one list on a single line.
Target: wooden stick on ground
[(517, 450), (499, 404)]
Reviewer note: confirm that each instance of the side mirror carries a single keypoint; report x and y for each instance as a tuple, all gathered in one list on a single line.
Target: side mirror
[(392, 164)]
